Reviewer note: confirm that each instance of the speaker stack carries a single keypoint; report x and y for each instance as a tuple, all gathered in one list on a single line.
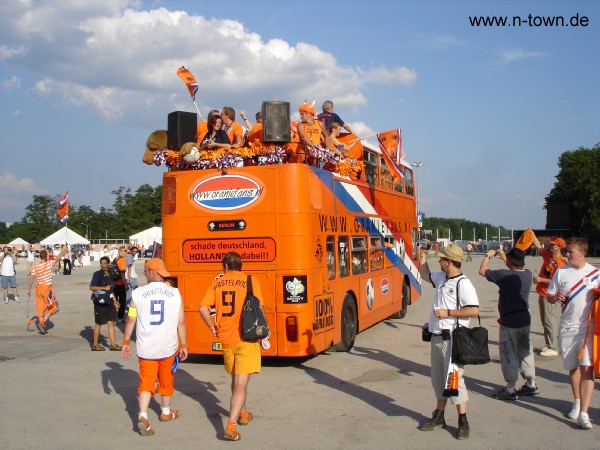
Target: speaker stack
[(181, 129), (276, 122)]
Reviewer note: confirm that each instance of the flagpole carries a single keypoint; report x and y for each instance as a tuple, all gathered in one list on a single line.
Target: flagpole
[(198, 109)]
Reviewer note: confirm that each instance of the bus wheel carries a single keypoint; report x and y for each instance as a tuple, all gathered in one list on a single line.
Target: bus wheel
[(405, 301), (349, 325)]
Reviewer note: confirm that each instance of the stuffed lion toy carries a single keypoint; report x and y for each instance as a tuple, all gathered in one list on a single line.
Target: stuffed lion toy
[(157, 141)]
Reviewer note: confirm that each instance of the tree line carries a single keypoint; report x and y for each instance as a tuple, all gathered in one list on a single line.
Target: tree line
[(462, 229), (131, 213), (577, 186)]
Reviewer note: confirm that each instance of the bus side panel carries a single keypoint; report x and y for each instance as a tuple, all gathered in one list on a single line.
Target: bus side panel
[(377, 292)]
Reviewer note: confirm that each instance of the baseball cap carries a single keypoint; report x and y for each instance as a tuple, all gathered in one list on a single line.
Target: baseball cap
[(452, 252), (559, 241), (158, 265)]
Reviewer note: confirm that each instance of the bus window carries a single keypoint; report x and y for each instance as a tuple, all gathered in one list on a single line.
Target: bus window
[(408, 179), (387, 180), (399, 186), (343, 255), (376, 254), (371, 173), (330, 249), (390, 241), (359, 255)]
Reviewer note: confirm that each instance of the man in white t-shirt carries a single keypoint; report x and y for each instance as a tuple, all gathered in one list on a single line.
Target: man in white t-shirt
[(7, 272), (130, 272), (455, 297), (573, 287), (156, 310), (30, 258)]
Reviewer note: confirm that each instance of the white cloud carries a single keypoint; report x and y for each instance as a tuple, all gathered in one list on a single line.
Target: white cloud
[(437, 42), (13, 82), (509, 56), (9, 183), (10, 52), (398, 75), (122, 61)]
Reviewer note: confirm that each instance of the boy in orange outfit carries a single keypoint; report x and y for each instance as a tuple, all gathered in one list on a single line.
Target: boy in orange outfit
[(42, 271)]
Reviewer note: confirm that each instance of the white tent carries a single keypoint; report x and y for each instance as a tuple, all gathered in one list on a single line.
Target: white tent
[(64, 235), (147, 237), (19, 241)]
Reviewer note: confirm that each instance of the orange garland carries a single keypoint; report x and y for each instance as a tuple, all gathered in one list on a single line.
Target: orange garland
[(349, 168)]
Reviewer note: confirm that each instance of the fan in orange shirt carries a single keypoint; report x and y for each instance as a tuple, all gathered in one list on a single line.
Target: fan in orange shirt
[(233, 129), (241, 358), (42, 271)]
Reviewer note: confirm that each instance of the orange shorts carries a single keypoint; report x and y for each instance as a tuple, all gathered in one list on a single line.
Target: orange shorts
[(41, 299), (243, 358), (152, 370)]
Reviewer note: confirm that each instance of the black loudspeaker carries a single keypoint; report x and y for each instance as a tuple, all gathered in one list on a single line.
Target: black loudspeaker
[(181, 129), (276, 121)]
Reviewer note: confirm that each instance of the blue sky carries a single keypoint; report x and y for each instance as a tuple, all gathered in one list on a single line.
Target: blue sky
[(488, 110)]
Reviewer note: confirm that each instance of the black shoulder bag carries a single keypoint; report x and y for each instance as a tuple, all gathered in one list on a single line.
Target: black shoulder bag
[(254, 324), (469, 345)]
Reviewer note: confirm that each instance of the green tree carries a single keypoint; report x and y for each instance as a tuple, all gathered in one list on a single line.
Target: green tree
[(131, 213), (138, 211), (82, 220), (578, 185), (4, 233), (40, 220)]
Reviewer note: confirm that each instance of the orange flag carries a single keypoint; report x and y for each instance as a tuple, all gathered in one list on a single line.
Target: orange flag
[(390, 143), (189, 79), (63, 212)]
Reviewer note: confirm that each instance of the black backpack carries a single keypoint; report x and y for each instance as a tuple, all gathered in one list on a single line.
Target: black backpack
[(113, 269), (253, 323)]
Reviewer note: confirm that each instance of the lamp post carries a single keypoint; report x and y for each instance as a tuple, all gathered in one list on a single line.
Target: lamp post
[(416, 165), (86, 230)]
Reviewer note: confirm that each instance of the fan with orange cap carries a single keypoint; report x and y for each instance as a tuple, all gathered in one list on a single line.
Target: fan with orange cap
[(526, 240)]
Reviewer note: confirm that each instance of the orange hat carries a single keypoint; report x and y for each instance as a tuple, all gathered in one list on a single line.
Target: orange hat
[(526, 240), (158, 265), (307, 108), (559, 241)]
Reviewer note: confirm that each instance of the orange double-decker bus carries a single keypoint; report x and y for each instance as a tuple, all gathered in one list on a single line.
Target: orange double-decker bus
[(333, 254)]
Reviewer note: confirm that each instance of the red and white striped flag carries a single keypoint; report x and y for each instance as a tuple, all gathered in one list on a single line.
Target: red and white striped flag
[(63, 199), (63, 209)]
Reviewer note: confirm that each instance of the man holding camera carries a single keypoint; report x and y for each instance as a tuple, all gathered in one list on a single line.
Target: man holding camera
[(455, 299), (516, 351), (8, 274)]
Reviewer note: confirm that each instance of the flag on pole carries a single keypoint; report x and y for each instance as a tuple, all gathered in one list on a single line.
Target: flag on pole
[(63, 209), (189, 79), (390, 143), (63, 199)]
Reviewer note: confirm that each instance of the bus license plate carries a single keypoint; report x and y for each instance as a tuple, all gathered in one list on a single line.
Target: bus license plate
[(217, 347)]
